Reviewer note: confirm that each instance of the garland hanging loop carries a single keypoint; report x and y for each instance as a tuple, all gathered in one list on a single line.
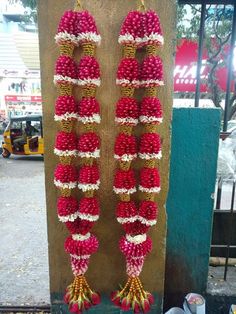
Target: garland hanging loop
[(78, 6), (142, 6)]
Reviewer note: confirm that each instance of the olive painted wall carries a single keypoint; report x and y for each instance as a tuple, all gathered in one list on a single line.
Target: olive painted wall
[(107, 267)]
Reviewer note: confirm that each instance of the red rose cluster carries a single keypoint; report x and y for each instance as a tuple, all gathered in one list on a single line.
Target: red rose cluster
[(150, 111), (148, 75), (141, 29), (87, 26), (77, 28), (88, 71), (149, 180), (151, 73), (67, 23), (79, 218), (66, 208), (125, 182), (128, 73), (126, 210), (65, 108), (130, 249), (68, 74), (89, 178), (150, 146), (66, 70), (127, 111), (80, 249), (136, 221), (148, 210), (152, 28), (135, 228), (135, 251), (66, 144), (131, 29), (79, 226), (125, 147), (89, 206), (86, 246), (89, 110), (88, 212), (65, 174), (89, 145)]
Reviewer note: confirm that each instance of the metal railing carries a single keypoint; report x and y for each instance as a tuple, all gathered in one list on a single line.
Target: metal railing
[(224, 225), (222, 245), (203, 4)]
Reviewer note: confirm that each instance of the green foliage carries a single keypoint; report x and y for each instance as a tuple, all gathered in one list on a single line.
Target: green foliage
[(218, 21), (218, 27), (181, 16), (31, 13), (32, 4)]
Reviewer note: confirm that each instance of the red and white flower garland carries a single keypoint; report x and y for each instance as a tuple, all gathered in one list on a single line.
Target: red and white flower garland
[(139, 30), (78, 28)]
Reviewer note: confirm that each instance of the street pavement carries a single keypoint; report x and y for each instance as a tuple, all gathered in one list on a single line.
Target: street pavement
[(24, 278), (216, 284)]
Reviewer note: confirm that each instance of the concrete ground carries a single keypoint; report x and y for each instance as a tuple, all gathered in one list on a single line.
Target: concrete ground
[(23, 234), (220, 294), (216, 283), (24, 278)]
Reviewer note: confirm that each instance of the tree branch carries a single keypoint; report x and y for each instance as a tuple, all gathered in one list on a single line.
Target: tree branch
[(220, 48), (193, 7), (233, 108)]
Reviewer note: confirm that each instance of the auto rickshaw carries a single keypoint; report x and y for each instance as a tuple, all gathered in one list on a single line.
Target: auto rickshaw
[(23, 136)]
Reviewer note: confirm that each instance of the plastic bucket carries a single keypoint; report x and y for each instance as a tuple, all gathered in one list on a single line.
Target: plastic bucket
[(175, 310), (194, 304)]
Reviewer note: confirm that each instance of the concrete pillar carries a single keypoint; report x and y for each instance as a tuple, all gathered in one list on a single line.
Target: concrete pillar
[(194, 152)]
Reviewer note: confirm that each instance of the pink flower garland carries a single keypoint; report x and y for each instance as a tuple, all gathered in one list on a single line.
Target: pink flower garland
[(78, 29), (140, 29)]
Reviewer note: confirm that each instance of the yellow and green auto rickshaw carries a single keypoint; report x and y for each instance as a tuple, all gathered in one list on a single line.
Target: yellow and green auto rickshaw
[(23, 136)]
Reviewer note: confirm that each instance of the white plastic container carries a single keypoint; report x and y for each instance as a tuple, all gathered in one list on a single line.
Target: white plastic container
[(194, 304), (232, 309), (175, 310)]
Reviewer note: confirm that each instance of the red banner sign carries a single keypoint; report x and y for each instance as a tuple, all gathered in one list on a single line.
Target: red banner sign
[(186, 69), (20, 98)]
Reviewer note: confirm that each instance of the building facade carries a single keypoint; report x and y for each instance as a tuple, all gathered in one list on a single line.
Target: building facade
[(20, 90)]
